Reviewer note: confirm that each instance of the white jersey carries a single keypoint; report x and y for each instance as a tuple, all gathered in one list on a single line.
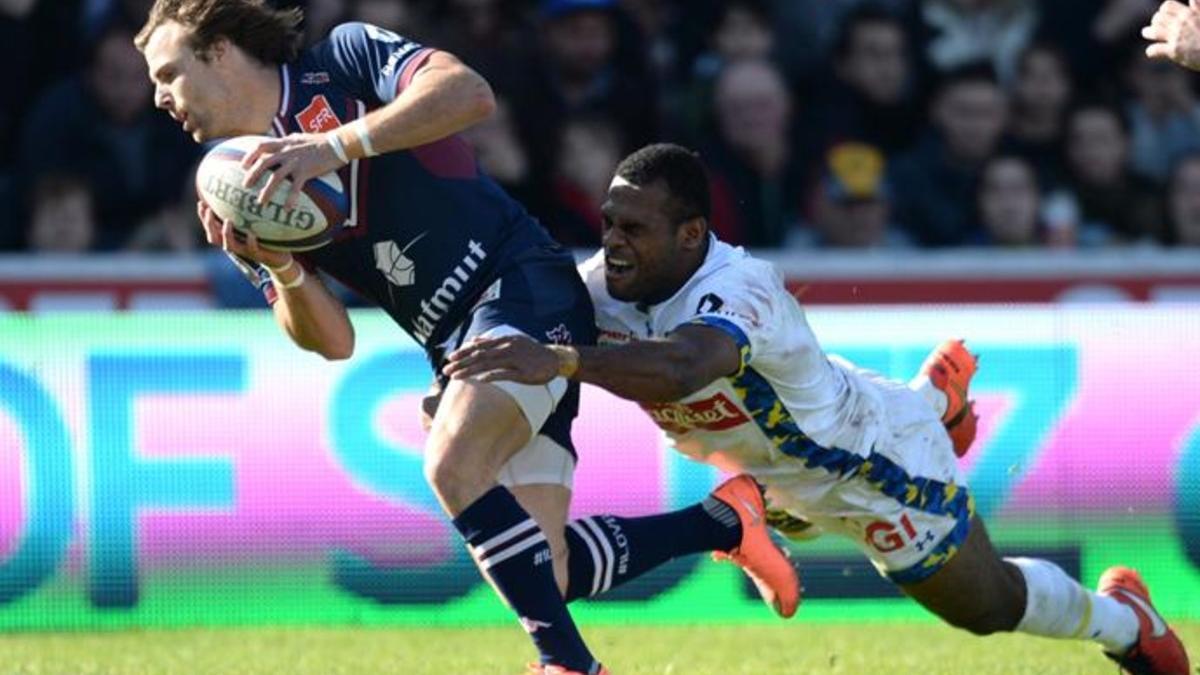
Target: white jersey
[(788, 401), (844, 448)]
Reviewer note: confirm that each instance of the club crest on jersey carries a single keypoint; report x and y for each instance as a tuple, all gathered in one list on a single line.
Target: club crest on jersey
[(318, 116), (559, 335), (712, 414), (398, 268)]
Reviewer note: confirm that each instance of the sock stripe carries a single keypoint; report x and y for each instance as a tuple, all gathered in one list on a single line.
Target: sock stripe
[(526, 544), (597, 560), (720, 511), (482, 550), (608, 552)]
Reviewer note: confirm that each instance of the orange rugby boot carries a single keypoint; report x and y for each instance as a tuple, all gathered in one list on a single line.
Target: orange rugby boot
[(950, 368), (1158, 650), (766, 565)]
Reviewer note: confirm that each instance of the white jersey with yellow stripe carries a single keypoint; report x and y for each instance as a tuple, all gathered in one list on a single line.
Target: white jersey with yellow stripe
[(789, 400)]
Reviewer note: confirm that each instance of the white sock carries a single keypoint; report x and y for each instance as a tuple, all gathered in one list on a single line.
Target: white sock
[(935, 397), (1057, 606)]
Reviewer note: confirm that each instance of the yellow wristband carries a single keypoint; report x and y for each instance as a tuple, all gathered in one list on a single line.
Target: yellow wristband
[(568, 360)]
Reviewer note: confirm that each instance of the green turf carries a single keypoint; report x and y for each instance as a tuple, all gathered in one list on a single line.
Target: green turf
[(885, 648)]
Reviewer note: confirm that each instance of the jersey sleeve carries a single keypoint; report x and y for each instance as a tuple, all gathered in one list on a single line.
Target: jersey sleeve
[(738, 304), (372, 63)]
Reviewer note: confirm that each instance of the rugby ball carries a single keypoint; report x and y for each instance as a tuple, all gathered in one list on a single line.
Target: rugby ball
[(320, 211)]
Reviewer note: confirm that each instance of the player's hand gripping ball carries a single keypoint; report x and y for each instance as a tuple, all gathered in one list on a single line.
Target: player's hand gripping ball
[(320, 209)]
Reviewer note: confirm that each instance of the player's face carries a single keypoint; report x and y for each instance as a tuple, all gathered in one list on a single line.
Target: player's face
[(190, 89), (641, 243)]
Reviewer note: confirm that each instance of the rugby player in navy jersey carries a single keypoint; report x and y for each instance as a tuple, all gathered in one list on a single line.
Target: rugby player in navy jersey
[(448, 255)]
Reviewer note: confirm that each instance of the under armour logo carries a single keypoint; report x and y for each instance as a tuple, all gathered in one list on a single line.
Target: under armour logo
[(710, 303)]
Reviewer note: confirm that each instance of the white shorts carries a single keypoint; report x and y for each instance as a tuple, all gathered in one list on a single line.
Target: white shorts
[(905, 505), (542, 460)]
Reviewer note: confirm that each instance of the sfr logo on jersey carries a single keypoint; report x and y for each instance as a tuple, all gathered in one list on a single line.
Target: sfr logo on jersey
[(318, 117), (712, 414)]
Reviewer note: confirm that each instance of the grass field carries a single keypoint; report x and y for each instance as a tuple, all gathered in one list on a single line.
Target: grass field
[(882, 648)]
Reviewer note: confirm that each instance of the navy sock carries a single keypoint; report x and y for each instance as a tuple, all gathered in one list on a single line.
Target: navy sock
[(512, 549), (606, 551)]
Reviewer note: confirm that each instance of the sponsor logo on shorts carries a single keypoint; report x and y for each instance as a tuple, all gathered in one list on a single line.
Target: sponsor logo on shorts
[(318, 116), (320, 77), (559, 335), (712, 414)]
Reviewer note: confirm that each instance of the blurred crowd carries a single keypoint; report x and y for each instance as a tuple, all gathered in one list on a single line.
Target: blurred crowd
[(824, 123)]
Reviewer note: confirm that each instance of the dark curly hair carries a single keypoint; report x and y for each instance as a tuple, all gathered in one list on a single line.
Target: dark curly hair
[(680, 170)]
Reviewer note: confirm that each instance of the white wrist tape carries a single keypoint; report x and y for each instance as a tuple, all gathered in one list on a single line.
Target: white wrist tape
[(338, 148), (277, 270), (294, 283), (364, 137)]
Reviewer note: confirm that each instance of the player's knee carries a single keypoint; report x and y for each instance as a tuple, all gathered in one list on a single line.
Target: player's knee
[(456, 482)]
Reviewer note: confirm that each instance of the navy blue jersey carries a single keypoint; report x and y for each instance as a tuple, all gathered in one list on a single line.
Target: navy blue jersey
[(427, 231)]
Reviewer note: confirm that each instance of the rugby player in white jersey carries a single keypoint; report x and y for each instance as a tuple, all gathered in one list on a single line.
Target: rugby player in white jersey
[(712, 344)]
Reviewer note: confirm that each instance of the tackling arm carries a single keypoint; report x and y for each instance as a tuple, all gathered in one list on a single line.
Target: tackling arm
[(658, 370)]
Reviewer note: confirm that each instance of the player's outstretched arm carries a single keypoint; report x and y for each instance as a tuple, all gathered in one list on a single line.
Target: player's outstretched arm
[(651, 371), (1174, 33), (444, 97), (305, 309)]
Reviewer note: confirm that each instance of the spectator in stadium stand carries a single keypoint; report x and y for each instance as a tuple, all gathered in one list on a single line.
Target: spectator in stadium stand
[(486, 34), (579, 67), (935, 181), (1040, 96), (101, 123), (954, 33), (173, 229), (1113, 200), (757, 177), (851, 204), (63, 218), (499, 151), (1183, 202), (741, 31), (657, 21), (1164, 115), (589, 152), (394, 15), (1010, 207), (870, 93), (1091, 32), (810, 29), (36, 51)]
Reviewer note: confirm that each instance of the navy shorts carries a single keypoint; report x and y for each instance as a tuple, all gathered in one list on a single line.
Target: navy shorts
[(541, 295)]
